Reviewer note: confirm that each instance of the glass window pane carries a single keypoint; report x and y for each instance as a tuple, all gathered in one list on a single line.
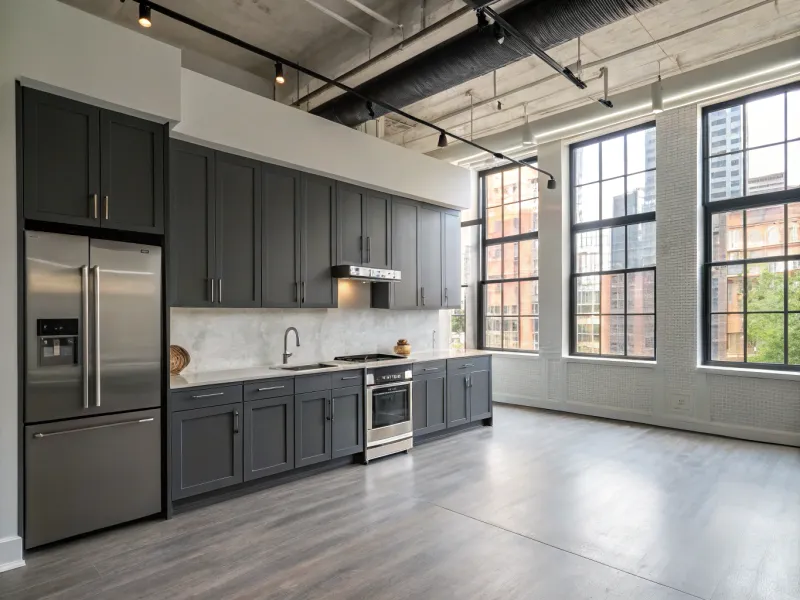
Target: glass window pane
[(727, 289), (587, 335), (511, 219), (511, 333), (494, 299), (529, 216), (727, 338), (794, 229), (612, 335), (494, 189), (494, 262), (765, 121), (529, 297), (642, 336), (725, 131), (794, 338), (642, 193), (642, 245), (612, 294), (587, 203), (530, 184), (642, 150), (614, 157), (587, 164), (725, 177), (614, 198), (529, 333), (727, 239), (587, 295), (494, 223), (794, 284), (765, 170), (587, 251), (529, 263), (642, 292), (492, 336), (510, 186), (511, 299), (511, 260), (793, 158), (793, 116), (765, 286), (613, 248), (765, 229), (765, 339)]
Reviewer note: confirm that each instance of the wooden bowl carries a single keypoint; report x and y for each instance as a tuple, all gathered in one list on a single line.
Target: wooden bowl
[(403, 348), (179, 359)]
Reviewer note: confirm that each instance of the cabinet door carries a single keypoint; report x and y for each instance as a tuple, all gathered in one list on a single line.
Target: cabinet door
[(206, 449), (430, 248), (480, 395), (268, 437), (61, 159), (318, 289), (404, 253), (191, 206), (436, 394), (452, 260), (238, 231), (457, 400), (347, 421), (131, 173), (280, 279), (312, 428), (419, 405), (379, 230), (350, 242)]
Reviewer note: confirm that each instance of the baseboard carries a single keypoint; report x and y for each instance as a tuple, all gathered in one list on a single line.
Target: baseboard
[(11, 553)]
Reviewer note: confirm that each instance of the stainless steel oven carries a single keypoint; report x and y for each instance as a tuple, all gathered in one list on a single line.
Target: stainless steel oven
[(389, 420)]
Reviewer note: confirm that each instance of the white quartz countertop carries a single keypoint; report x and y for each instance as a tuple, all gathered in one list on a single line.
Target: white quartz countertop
[(190, 380)]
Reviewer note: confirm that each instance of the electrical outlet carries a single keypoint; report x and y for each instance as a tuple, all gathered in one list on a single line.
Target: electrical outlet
[(681, 402)]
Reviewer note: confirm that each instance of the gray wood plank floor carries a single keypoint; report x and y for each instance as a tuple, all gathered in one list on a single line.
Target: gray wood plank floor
[(543, 505)]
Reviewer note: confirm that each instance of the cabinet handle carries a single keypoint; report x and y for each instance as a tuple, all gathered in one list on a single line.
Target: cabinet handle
[(328, 410), (236, 421), (94, 198), (446, 303), (105, 206), (219, 290), (211, 282), (208, 395), (469, 381), (369, 250), (333, 409), (347, 378), (422, 290), (465, 365), (274, 387), (431, 369), (296, 287), (302, 292)]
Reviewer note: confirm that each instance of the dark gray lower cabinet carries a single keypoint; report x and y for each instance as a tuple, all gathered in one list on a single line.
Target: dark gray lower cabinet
[(347, 421), (206, 449), (429, 404), (268, 437), (312, 428), (480, 396), (457, 399)]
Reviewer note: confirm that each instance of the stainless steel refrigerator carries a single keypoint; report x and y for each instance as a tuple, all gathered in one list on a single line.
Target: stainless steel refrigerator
[(92, 393)]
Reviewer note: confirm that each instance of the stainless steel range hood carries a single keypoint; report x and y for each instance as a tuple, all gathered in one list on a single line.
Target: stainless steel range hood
[(365, 274)]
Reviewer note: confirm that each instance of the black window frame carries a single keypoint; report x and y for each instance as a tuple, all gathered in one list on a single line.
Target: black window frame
[(745, 203), (484, 221), (600, 225)]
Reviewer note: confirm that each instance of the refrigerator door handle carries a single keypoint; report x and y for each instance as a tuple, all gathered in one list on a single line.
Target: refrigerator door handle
[(85, 332), (39, 436), (96, 270)]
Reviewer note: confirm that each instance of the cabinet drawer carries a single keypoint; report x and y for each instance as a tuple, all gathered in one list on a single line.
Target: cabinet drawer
[(467, 365), (269, 388), (312, 383), (430, 367), (347, 379), (203, 397)]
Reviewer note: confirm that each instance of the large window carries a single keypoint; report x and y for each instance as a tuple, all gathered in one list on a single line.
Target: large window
[(752, 219), (614, 245), (510, 303)]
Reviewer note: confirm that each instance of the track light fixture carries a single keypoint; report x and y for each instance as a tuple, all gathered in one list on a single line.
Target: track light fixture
[(279, 78), (499, 32), (551, 184), (483, 22), (370, 109), (657, 96), (528, 139), (144, 15), (442, 140)]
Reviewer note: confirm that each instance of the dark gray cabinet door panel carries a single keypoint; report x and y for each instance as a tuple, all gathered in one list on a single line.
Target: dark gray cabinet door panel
[(430, 251), (238, 231), (457, 400), (280, 283), (318, 289), (347, 421), (191, 244), (452, 260), (132, 173), (268, 437), (61, 159), (312, 428), (379, 230), (404, 253), (350, 242), (419, 405), (436, 394), (206, 449), (480, 395)]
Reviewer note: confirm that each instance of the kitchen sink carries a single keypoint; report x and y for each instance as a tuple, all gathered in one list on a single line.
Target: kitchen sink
[(304, 367)]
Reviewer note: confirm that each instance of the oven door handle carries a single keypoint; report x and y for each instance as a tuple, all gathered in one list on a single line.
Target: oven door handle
[(388, 385)]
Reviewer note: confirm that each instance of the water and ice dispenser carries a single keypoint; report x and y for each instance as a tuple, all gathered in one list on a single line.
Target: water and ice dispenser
[(57, 342)]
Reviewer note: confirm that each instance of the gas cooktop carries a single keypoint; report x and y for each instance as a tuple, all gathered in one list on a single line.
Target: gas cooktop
[(359, 358)]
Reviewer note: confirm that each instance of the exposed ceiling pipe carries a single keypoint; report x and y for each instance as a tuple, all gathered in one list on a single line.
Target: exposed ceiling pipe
[(339, 18), (374, 14)]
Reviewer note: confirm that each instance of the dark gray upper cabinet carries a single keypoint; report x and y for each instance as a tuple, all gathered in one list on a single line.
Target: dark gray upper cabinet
[(312, 423), (378, 220), (192, 223), (430, 249), (351, 238), (206, 449), (347, 421), (131, 173), (452, 259), (318, 289), (457, 399), (268, 437), (280, 279), (405, 293), (429, 403)]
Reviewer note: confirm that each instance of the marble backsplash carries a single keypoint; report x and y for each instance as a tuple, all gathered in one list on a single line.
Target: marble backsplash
[(221, 338)]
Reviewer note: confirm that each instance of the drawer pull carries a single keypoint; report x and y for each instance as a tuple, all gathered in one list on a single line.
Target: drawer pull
[(44, 435), (464, 366), (274, 387), (353, 377), (208, 395), (431, 369)]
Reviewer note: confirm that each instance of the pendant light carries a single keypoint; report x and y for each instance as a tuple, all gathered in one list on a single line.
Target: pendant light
[(144, 15), (528, 139), (279, 78), (442, 140), (657, 94)]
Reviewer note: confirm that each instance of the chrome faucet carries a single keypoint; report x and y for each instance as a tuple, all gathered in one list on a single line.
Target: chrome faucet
[(286, 353)]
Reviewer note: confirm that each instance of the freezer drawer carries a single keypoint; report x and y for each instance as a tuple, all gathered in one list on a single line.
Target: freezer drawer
[(86, 474)]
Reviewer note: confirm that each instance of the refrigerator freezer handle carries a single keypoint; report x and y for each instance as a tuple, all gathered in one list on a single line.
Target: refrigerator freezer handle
[(96, 270)]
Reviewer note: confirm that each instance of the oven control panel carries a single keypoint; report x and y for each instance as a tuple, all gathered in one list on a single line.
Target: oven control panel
[(388, 375)]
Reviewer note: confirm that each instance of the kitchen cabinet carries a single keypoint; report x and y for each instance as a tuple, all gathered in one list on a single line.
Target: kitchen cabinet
[(469, 390), (318, 289), (457, 399), (87, 166), (378, 221), (347, 421), (403, 294), (280, 281), (452, 259), (312, 433), (429, 403), (430, 249), (268, 440), (480, 395), (206, 449), (364, 227)]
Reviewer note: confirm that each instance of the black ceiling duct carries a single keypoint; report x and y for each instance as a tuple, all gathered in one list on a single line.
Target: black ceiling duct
[(547, 23)]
